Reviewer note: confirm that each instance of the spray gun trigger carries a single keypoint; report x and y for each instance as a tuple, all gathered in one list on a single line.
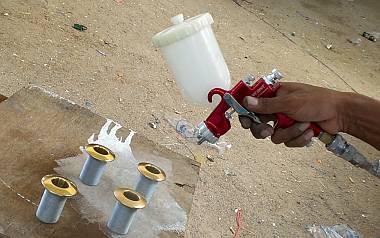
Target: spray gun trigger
[(231, 101)]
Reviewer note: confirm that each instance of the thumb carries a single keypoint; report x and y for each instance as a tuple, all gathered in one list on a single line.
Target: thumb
[(266, 105)]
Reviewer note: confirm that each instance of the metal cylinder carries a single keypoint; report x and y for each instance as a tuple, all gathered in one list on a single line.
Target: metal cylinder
[(128, 202), (57, 190), (150, 176), (93, 168)]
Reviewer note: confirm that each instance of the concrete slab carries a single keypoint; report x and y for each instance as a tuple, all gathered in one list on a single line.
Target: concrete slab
[(38, 128)]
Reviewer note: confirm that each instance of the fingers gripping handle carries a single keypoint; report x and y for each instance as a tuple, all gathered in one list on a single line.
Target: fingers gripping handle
[(284, 121)]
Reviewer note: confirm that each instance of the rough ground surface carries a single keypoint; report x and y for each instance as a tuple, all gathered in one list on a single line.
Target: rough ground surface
[(278, 189)]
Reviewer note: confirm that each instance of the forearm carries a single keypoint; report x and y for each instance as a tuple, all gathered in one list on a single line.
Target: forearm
[(360, 116)]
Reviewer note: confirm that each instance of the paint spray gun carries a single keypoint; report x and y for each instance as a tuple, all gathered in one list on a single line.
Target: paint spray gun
[(194, 57)]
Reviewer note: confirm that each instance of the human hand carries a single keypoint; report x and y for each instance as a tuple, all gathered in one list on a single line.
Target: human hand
[(301, 102)]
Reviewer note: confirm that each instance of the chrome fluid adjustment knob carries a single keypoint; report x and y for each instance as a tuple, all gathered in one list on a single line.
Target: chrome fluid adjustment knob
[(273, 77), (276, 74)]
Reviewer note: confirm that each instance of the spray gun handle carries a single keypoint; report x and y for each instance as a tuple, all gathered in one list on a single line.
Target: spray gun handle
[(283, 121)]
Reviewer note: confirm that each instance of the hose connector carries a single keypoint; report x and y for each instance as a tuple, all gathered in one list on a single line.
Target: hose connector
[(340, 147)]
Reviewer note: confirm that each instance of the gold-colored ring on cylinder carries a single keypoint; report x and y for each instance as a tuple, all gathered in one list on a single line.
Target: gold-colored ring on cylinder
[(151, 171), (59, 185), (100, 152), (130, 198)]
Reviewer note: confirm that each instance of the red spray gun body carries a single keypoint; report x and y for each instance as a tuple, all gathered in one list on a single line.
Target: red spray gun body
[(217, 124)]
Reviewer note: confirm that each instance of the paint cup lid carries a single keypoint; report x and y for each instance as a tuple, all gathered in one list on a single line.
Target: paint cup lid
[(181, 29)]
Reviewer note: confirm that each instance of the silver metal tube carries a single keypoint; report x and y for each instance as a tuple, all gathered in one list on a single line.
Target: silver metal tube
[(57, 190), (128, 202), (92, 171), (121, 219), (150, 176), (146, 187), (50, 208), (93, 168)]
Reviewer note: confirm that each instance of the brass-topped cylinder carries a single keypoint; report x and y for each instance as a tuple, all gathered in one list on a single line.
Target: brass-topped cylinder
[(127, 204), (150, 176), (57, 189), (93, 168)]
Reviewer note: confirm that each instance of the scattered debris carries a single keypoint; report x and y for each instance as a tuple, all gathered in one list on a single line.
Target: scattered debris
[(337, 231), (238, 223), (210, 158), (119, 76), (293, 33), (229, 172), (154, 124), (242, 38), (355, 40), (307, 18), (79, 27), (181, 185), (105, 42), (329, 46), (87, 103), (351, 180), (101, 52), (372, 36), (322, 184)]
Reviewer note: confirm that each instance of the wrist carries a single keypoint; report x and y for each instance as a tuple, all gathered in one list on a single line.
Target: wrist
[(358, 116), (344, 105)]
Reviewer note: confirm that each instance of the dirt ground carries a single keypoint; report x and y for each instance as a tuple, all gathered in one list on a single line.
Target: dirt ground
[(279, 190)]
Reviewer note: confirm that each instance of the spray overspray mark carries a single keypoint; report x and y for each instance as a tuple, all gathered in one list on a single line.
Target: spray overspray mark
[(96, 202)]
